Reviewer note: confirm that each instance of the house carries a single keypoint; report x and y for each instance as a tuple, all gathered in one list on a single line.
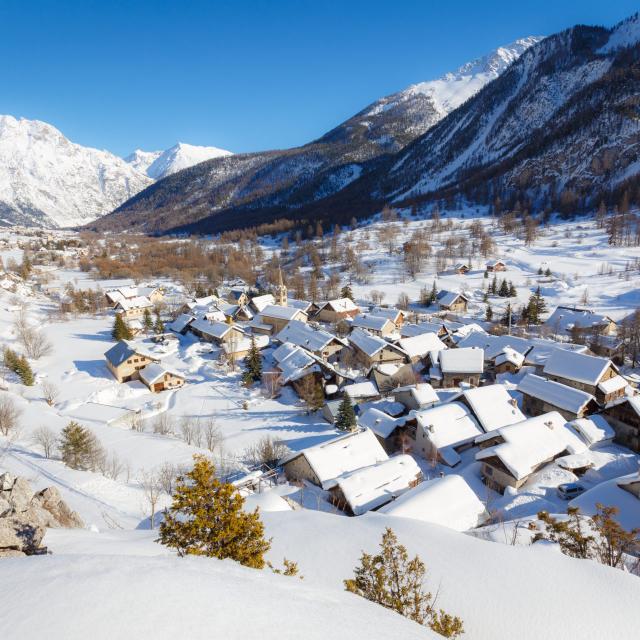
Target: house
[(233, 312), (362, 391), (624, 416), (608, 347), (496, 265), (595, 375), (568, 320), (389, 376), (508, 361), (370, 350), (445, 430), (395, 315), (158, 378), (410, 330), (182, 323), (217, 332), (277, 317), (457, 366), (131, 308), (461, 268), (452, 301), (155, 294), (200, 305), (393, 433), (336, 310), (595, 431), (238, 349), (321, 343), (492, 406), (370, 488), (375, 325), (113, 296), (416, 397), (419, 346), (323, 464), (540, 395), (449, 502), (259, 303), (236, 295), (125, 360), (510, 455)]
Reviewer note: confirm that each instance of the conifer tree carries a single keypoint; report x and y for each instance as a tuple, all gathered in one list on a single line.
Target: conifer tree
[(158, 327), (503, 292), (147, 321), (433, 296), (548, 272), (512, 290), (121, 330), (507, 318), (489, 314), (206, 518), (24, 371), (536, 307), (494, 285), (253, 364), (346, 417), (346, 292), (77, 446)]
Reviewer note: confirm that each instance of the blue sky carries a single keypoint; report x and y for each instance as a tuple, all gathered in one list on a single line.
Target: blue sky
[(244, 75)]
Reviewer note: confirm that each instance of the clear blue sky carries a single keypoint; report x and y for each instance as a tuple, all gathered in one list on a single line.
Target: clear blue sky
[(244, 75)]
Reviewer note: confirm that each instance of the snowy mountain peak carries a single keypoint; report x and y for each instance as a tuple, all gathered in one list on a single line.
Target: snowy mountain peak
[(159, 164), (624, 34), (47, 180)]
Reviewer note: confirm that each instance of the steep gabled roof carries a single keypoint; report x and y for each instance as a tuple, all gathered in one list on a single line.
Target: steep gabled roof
[(554, 393), (576, 366)]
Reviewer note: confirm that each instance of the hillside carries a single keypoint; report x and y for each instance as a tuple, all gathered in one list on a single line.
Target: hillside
[(262, 183)]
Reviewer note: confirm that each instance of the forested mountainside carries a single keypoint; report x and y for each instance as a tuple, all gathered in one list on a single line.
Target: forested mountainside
[(263, 183)]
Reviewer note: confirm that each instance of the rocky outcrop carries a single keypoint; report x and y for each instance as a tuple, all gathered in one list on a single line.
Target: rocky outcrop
[(25, 516)]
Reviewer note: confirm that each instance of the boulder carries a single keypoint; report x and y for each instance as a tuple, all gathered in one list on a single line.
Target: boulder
[(6, 481), (21, 494), (51, 501)]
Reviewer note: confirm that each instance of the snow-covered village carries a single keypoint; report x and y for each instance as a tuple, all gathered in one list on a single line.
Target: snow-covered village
[(418, 417)]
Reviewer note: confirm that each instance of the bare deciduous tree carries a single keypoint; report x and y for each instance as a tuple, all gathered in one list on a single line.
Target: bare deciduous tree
[(163, 424), (9, 415), (50, 392), (47, 439), (152, 490)]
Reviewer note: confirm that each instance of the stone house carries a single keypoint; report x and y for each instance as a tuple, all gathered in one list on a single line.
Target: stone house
[(457, 366), (624, 416), (321, 343), (370, 350), (335, 310), (216, 332), (496, 265), (277, 316), (375, 325), (452, 301), (125, 361)]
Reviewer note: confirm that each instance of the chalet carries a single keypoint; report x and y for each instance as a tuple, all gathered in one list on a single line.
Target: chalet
[(461, 269), (198, 306), (362, 391), (394, 434), (388, 375), (624, 416), (416, 397), (595, 431), (233, 312), (395, 315), (182, 323), (595, 375), (517, 451), (323, 464), (418, 347), (217, 332), (492, 406), (371, 487), (132, 308), (610, 347), (125, 360), (452, 301), (508, 361), (449, 502), (411, 330), (496, 265), (336, 310), (459, 366), (568, 320), (158, 378), (113, 296), (444, 431), (236, 295), (540, 395), (155, 294), (323, 344), (375, 325), (259, 303), (370, 350), (238, 349), (277, 317)]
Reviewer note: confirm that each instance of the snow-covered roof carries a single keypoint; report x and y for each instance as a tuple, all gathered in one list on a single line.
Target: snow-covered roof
[(283, 351), (554, 393), (447, 298), (527, 444), (593, 430), (334, 459), (215, 329), (244, 344), (139, 302), (493, 263), (493, 406), (381, 423), (303, 305), (510, 355), (418, 346), (611, 385), (181, 322), (373, 323), (410, 330), (447, 501), (492, 345), (297, 364), (464, 360), (123, 350), (366, 389), (154, 371), (367, 343), (340, 305), (563, 319), (260, 302), (448, 425), (303, 335), (282, 313), (461, 265), (423, 393), (373, 486), (388, 312), (576, 366)]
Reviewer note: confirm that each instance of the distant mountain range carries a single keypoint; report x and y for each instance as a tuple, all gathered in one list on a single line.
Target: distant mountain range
[(267, 184)]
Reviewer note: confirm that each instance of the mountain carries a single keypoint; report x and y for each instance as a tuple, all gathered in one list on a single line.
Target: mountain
[(46, 180), (280, 183), (160, 164)]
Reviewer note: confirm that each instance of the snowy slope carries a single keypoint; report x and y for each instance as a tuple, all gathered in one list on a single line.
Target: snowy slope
[(141, 160), (47, 180), (181, 156)]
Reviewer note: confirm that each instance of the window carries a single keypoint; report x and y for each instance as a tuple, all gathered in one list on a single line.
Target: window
[(488, 470)]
